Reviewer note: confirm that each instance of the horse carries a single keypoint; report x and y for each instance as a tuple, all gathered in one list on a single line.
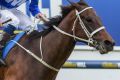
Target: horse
[(40, 57)]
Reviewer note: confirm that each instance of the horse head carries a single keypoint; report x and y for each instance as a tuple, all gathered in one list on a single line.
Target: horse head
[(87, 27)]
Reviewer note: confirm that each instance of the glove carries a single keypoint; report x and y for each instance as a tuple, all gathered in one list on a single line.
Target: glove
[(42, 17)]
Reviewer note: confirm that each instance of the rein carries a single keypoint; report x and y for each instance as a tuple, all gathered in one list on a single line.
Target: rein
[(36, 57)]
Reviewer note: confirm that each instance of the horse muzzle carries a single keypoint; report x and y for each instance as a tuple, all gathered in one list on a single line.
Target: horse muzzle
[(105, 46)]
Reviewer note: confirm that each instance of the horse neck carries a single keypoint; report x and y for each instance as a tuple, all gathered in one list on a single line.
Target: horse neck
[(60, 45), (67, 25)]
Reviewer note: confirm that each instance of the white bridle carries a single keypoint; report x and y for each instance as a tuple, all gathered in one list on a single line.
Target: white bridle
[(89, 35)]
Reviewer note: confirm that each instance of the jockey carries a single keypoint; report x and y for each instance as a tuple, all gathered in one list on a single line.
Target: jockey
[(8, 11)]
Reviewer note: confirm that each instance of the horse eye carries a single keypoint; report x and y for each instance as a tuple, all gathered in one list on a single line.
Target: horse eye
[(88, 19)]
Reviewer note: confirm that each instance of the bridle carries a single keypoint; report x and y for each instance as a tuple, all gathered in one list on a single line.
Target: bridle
[(89, 35)]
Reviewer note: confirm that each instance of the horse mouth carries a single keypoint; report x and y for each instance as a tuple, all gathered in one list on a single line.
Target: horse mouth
[(104, 49)]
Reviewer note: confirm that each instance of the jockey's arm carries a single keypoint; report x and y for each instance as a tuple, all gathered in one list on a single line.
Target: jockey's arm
[(36, 11), (33, 7)]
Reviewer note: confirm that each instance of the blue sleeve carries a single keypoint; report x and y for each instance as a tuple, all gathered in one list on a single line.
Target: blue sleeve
[(33, 7)]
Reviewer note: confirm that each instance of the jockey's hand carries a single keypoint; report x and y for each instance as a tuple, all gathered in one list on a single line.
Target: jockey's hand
[(42, 17)]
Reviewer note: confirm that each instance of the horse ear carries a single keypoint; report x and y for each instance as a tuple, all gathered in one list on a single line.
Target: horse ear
[(82, 2), (74, 4)]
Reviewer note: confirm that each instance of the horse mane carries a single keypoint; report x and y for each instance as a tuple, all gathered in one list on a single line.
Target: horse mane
[(55, 20), (64, 12), (67, 9), (52, 21)]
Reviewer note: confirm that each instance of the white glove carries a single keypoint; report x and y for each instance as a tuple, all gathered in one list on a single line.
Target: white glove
[(42, 17)]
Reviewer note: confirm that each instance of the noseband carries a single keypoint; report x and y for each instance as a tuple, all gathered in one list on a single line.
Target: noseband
[(89, 35)]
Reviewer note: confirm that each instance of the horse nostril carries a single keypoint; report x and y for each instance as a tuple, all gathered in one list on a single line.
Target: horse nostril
[(108, 43), (113, 43)]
